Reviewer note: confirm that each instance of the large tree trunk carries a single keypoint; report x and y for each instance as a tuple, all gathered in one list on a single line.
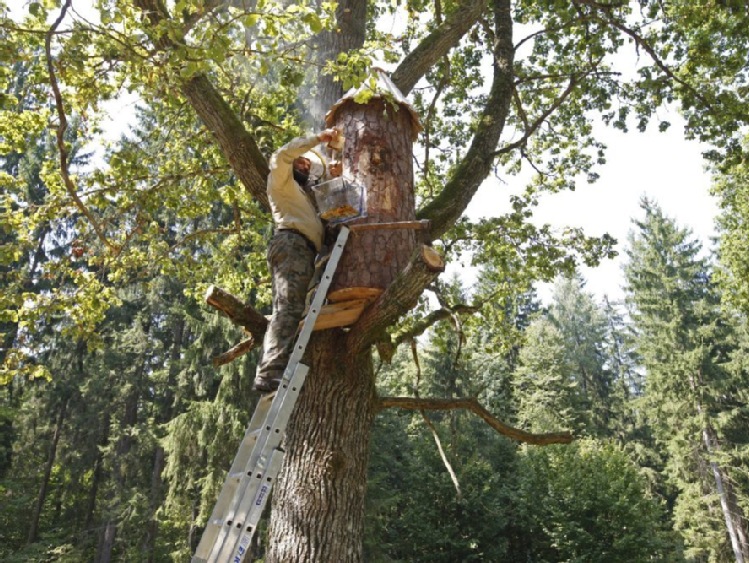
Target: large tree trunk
[(322, 90), (319, 508)]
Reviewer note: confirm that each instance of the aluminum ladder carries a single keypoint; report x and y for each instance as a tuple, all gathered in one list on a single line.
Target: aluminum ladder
[(233, 522)]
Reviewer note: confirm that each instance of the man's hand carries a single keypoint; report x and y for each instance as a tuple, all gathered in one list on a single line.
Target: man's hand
[(328, 135), (335, 168)]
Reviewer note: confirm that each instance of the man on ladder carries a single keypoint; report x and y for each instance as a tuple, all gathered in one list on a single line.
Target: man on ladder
[(233, 522), (291, 254)]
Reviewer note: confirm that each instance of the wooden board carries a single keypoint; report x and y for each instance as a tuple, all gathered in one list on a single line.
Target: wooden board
[(344, 313), (354, 293)]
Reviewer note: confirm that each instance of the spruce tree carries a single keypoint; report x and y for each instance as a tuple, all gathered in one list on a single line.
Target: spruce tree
[(684, 346)]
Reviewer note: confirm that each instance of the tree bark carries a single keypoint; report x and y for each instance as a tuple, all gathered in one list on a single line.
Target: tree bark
[(51, 456), (322, 90), (318, 512)]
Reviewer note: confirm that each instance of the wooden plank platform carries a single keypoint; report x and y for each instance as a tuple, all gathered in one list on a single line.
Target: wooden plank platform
[(353, 293), (344, 307), (343, 313)]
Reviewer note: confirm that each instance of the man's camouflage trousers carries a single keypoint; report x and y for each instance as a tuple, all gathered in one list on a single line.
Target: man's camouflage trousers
[(291, 261)]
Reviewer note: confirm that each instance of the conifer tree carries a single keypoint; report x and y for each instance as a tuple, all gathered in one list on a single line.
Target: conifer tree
[(684, 345)]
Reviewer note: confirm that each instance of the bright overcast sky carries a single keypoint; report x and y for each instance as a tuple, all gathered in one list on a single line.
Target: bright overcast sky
[(663, 166)]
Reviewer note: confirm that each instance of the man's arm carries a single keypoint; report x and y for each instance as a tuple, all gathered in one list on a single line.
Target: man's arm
[(283, 159)]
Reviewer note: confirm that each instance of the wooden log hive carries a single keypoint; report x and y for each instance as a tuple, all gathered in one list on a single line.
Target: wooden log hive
[(378, 155)]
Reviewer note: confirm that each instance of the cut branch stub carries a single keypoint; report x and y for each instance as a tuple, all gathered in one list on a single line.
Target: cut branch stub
[(238, 312)]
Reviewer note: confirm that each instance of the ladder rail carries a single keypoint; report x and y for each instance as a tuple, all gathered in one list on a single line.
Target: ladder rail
[(231, 530)]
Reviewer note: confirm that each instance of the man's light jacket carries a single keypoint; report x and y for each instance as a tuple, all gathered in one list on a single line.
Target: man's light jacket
[(290, 205)]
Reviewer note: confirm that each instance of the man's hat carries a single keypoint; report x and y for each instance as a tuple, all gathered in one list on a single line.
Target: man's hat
[(317, 167)]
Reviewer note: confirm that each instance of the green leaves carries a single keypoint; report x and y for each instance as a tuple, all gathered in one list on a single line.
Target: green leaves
[(590, 504)]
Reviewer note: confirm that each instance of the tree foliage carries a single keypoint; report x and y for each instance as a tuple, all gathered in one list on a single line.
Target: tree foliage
[(114, 427)]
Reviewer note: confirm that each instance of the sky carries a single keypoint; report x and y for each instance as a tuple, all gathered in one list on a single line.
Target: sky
[(665, 167)]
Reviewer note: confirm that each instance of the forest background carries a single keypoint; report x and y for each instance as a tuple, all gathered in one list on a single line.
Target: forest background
[(116, 428)]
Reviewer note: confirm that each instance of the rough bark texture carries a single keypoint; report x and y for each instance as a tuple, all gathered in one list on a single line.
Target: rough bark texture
[(318, 507), (378, 155)]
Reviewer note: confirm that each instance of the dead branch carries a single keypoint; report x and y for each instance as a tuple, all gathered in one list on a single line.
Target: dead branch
[(443, 455), (235, 352), (475, 407), (395, 225)]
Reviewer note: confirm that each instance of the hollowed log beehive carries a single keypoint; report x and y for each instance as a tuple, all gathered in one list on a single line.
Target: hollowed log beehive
[(378, 155)]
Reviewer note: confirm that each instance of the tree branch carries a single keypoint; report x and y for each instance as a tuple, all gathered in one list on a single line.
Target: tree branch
[(443, 456), (531, 129), (400, 297), (62, 127), (431, 319), (235, 141), (475, 407), (643, 44), (237, 311), (450, 204), (436, 45)]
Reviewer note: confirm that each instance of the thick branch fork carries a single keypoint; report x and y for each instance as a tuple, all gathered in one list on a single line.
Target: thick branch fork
[(402, 295), (412, 403)]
